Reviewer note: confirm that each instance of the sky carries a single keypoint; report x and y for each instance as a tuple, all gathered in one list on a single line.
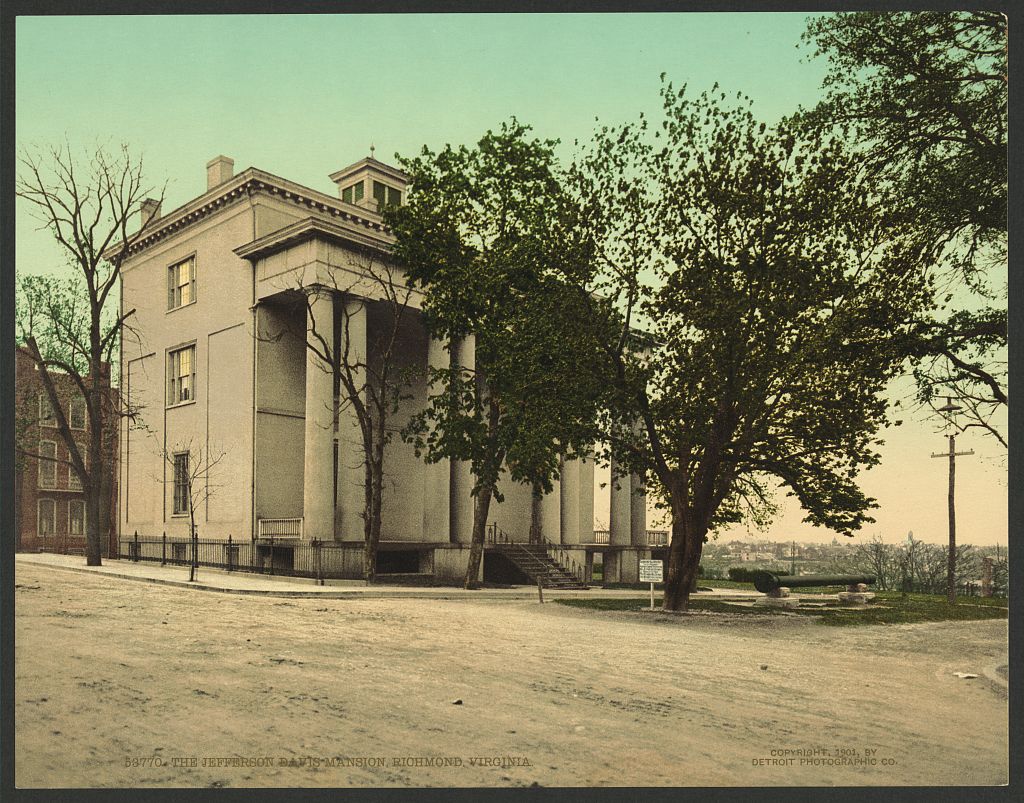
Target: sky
[(303, 96)]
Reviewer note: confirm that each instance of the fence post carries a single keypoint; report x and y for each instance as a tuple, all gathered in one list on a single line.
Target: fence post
[(230, 552), (135, 548), (163, 550), (317, 561), (271, 556)]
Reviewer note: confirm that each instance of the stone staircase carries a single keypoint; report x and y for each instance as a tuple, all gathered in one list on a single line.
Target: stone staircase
[(534, 561)]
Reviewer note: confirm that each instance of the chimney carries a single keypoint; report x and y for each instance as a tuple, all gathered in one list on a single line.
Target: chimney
[(219, 170), (149, 210)]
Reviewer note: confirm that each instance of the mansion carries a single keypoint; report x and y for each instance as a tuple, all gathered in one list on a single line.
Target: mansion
[(236, 408)]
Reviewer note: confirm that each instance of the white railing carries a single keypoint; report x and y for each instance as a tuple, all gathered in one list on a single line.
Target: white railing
[(290, 529), (657, 538), (654, 537)]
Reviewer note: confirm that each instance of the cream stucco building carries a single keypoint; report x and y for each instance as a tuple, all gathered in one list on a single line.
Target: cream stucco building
[(216, 363)]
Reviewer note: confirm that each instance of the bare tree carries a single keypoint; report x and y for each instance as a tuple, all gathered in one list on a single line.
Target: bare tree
[(879, 559), (193, 470), (371, 384), (1000, 574), (73, 324), (934, 567), (908, 560)]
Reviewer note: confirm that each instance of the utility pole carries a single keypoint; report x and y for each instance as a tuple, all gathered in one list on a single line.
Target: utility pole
[(792, 558), (952, 454)]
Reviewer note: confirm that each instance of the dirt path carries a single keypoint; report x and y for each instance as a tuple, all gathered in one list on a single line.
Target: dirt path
[(111, 673)]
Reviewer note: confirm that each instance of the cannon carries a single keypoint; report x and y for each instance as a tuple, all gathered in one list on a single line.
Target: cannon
[(770, 583)]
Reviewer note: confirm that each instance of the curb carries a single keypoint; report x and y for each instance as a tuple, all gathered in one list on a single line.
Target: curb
[(266, 592)]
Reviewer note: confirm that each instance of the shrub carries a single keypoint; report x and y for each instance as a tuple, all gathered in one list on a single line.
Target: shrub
[(741, 574)]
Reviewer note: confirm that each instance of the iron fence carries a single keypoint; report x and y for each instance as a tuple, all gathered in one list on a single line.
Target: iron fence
[(320, 560)]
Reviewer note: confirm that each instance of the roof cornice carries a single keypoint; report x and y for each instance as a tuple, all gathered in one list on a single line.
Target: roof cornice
[(250, 182), (307, 229)]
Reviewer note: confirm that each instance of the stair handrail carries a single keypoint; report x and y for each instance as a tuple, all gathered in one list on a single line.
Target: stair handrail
[(561, 556), (564, 565)]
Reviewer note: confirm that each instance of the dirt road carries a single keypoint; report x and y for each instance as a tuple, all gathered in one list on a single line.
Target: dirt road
[(127, 684)]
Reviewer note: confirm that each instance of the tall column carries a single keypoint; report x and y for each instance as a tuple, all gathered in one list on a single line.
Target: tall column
[(461, 502), (437, 476), (551, 513), (570, 507), (619, 524), (586, 497), (638, 511), (577, 500), (586, 524), (620, 509), (351, 501), (318, 464)]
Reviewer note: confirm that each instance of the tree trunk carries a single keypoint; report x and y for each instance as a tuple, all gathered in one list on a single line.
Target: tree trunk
[(106, 475), (373, 524), (481, 507), (683, 562), (97, 428), (104, 511), (92, 523), (375, 493), (192, 537), (369, 541)]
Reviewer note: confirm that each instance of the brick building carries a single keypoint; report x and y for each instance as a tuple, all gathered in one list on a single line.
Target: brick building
[(49, 505)]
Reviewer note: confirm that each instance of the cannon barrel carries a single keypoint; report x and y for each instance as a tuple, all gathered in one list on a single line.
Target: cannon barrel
[(766, 582)]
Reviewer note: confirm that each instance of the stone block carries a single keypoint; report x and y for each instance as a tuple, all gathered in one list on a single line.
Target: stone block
[(855, 597)]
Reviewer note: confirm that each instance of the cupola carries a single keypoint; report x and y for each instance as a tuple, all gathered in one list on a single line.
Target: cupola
[(370, 184)]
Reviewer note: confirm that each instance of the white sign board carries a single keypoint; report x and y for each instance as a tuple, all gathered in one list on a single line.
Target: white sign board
[(651, 571)]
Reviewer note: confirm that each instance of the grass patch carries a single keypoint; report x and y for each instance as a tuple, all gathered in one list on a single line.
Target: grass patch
[(890, 608), (696, 604), (988, 602)]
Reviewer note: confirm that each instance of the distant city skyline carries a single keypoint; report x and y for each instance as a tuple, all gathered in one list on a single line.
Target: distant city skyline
[(301, 96)]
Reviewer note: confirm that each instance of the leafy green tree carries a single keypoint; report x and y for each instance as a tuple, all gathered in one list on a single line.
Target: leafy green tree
[(775, 288), (479, 236), (924, 96)]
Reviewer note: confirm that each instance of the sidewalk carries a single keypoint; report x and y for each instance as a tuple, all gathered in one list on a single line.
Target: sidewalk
[(264, 585)]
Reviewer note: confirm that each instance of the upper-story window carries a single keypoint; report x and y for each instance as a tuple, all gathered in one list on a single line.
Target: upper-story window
[(47, 464), (77, 413), (46, 416), (385, 195), (353, 194), (74, 482), (181, 379), (181, 283), (76, 517), (46, 523)]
